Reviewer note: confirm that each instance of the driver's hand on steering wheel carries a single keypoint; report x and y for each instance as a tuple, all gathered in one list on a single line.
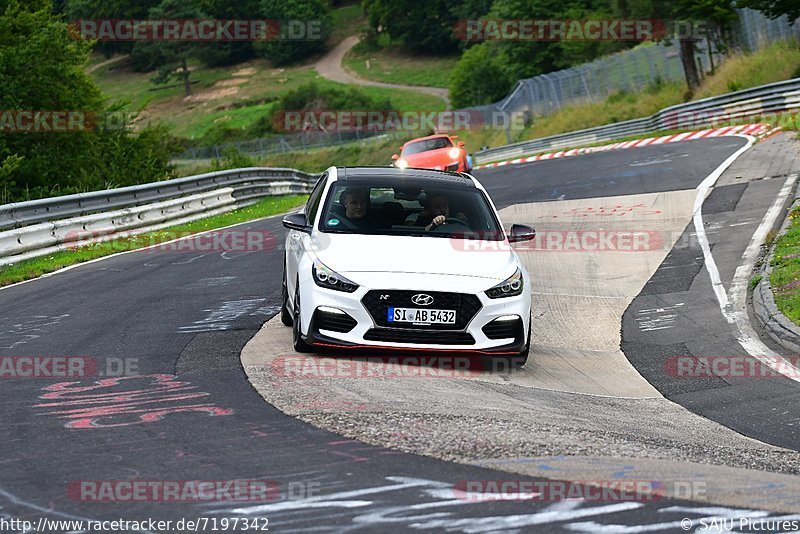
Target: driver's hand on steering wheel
[(438, 220)]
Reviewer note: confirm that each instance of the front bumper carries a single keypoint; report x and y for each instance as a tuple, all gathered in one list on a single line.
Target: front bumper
[(367, 333)]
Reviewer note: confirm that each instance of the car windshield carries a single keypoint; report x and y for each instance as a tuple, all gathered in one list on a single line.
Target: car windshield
[(384, 208), (427, 144)]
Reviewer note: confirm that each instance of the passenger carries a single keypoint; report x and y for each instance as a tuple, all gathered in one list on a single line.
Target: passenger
[(436, 212)]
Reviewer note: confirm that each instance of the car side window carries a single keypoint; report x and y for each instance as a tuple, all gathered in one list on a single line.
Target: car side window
[(313, 200)]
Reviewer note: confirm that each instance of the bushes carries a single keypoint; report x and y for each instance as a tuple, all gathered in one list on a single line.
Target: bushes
[(42, 69), (314, 96), (478, 78), (287, 51), (307, 97), (232, 158)]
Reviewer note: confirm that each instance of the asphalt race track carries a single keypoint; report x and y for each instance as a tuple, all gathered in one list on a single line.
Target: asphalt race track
[(179, 320)]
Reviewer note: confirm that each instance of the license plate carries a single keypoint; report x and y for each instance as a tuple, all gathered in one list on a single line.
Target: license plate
[(421, 315)]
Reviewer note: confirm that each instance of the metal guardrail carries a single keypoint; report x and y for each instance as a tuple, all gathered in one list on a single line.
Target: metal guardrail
[(757, 101), (36, 227), (39, 227), (247, 183)]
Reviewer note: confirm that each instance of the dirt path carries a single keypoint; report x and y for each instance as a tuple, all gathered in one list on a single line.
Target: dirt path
[(115, 59), (330, 67)]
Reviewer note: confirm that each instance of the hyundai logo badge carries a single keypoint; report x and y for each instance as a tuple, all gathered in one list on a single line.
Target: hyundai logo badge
[(421, 299)]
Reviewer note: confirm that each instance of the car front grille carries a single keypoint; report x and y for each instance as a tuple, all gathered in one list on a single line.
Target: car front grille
[(378, 301), (452, 167), (419, 336)]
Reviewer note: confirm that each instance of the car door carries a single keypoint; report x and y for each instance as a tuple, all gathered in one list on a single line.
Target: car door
[(297, 241)]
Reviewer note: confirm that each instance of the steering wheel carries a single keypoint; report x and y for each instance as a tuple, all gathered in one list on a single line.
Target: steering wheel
[(452, 220)]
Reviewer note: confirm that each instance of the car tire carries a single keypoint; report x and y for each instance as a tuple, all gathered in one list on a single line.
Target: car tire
[(286, 315), (297, 336), (521, 358)]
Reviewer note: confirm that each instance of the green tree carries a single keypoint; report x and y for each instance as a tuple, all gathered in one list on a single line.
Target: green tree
[(287, 50), (479, 77), (233, 52), (719, 14), (75, 10), (524, 59), (774, 8), (714, 19), (576, 52), (42, 69), (170, 58), (422, 27)]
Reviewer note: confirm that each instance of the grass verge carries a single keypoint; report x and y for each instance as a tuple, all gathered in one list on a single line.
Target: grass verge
[(390, 64), (35, 267), (236, 96), (777, 62), (347, 20), (785, 275)]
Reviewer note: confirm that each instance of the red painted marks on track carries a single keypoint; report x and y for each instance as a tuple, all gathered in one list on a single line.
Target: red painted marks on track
[(124, 401)]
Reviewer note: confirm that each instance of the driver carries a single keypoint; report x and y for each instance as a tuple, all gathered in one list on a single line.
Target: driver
[(436, 212)]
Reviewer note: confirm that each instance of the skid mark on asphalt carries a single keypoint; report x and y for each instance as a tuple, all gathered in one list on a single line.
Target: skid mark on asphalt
[(439, 505), (604, 210), (33, 327), (658, 318), (190, 260), (225, 317), (211, 282)]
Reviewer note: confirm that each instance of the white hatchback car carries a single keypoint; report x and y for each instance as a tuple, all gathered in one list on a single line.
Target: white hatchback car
[(388, 258)]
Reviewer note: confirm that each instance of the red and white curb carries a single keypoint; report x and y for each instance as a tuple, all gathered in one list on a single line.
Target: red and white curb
[(756, 130)]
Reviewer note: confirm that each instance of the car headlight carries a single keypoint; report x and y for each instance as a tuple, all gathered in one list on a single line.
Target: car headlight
[(330, 279), (511, 287), (454, 153), (401, 163)]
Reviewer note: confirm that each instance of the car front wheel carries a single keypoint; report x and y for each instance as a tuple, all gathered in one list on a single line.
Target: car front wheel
[(286, 315), (297, 337), (519, 359)]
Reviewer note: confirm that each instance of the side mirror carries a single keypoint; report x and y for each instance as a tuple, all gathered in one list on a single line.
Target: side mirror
[(395, 157), (461, 144), (296, 221), (521, 232)]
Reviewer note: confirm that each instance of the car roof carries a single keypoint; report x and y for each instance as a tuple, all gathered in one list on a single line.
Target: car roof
[(364, 174)]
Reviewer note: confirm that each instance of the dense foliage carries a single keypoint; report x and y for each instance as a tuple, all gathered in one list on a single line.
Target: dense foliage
[(42, 69), (308, 97), (149, 56)]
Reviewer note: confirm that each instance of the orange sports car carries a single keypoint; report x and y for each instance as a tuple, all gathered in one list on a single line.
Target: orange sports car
[(438, 152)]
